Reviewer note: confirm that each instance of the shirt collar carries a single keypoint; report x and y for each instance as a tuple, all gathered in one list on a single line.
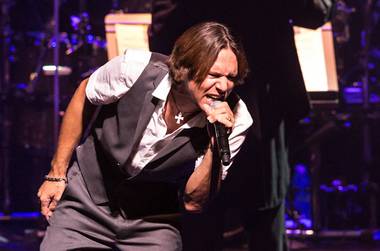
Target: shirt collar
[(162, 92), (163, 88)]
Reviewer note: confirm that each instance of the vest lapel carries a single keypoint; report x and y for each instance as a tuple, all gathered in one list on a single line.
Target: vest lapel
[(150, 102), (145, 115), (177, 142), (146, 110)]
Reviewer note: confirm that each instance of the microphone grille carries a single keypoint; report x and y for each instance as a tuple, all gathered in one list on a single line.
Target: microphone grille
[(215, 103)]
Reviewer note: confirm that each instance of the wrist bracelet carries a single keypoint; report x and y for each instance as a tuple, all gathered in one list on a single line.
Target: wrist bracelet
[(55, 179)]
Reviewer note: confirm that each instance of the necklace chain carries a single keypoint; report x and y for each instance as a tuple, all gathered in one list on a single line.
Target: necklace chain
[(179, 117)]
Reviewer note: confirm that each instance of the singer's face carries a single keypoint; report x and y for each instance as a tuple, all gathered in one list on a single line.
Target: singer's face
[(219, 81)]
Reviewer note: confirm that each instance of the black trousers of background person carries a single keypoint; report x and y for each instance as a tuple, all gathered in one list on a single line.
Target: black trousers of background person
[(247, 199), (268, 230), (256, 189)]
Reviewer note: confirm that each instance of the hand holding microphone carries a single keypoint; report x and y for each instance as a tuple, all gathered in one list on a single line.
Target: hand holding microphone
[(221, 117)]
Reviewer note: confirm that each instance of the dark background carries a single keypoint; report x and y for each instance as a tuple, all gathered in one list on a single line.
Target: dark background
[(349, 165)]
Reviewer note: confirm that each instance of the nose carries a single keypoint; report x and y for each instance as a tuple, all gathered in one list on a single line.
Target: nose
[(222, 84)]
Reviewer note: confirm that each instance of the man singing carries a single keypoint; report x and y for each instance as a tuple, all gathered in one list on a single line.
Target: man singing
[(148, 147)]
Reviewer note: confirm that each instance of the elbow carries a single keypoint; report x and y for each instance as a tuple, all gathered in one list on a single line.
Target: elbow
[(192, 207), (193, 204)]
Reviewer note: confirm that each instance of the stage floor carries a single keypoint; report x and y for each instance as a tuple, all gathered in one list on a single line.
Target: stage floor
[(330, 245), (25, 234)]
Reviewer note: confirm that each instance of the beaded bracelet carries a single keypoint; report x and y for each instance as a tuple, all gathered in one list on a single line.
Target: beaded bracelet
[(55, 179)]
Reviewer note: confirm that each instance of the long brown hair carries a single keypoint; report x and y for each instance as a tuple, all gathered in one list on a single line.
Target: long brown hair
[(196, 50)]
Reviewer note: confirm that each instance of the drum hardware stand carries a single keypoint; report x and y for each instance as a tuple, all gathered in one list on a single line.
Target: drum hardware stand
[(313, 144), (367, 150), (56, 94), (5, 123), (35, 76)]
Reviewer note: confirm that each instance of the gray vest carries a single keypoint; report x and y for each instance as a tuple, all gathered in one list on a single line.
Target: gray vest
[(119, 127)]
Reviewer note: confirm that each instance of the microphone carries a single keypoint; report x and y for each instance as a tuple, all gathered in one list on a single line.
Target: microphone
[(221, 138)]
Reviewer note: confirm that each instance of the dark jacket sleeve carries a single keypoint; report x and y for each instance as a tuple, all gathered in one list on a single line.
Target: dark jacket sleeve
[(310, 13)]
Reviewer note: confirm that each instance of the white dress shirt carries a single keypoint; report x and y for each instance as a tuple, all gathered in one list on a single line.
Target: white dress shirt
[(112, 80)]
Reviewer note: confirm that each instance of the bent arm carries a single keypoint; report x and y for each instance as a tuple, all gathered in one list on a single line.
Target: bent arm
[(207, 175), (71, 130), (73, 123), (198, 187)]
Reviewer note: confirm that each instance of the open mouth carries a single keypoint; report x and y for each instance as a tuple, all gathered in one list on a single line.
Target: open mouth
[(211, 97)]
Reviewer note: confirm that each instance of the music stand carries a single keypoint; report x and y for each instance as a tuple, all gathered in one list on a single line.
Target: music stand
[(126, 30), (315, 49)]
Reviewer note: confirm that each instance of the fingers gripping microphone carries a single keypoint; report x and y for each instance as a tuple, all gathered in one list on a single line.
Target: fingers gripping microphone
[(221, 138)]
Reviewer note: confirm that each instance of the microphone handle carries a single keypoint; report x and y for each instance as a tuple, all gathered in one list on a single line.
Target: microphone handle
[(222, 143)]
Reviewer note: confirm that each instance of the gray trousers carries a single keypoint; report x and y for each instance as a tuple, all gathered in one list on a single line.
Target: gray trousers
[(79, 224)]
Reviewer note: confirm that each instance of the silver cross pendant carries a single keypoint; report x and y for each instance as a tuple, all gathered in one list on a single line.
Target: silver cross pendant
[(179, 118)]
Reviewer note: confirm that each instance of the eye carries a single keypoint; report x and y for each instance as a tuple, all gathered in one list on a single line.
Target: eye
[(232, 78), (214, 75)]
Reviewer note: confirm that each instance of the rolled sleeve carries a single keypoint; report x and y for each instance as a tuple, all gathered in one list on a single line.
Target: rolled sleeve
[(112, 80), (107, 83), (243, 121)]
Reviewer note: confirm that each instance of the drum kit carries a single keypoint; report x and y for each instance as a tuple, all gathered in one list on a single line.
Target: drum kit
[(27, 101), (28, 92), (31, 67), (353, 181)]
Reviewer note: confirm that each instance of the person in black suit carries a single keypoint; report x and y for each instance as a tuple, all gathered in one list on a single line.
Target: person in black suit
[(275, 94)]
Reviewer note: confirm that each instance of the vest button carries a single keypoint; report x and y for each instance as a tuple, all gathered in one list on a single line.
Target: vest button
[(117, 163)]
